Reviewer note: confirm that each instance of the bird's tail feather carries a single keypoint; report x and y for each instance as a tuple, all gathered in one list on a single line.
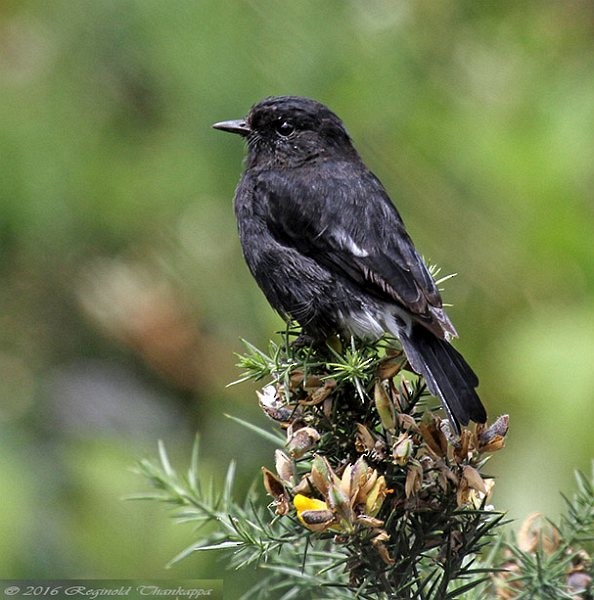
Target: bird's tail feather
[(448, 375)]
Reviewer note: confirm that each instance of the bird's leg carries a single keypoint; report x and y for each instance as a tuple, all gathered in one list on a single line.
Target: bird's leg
[(304, 339)]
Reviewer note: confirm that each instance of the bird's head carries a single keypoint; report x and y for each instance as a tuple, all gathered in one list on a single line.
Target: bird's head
[(289, 131)]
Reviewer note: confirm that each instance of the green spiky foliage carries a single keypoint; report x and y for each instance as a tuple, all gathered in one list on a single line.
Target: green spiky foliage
[(369, 493), (552, 561)]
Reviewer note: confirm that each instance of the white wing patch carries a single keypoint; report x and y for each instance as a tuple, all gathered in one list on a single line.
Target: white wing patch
[(362, 324), (347, 242), (372, 322)]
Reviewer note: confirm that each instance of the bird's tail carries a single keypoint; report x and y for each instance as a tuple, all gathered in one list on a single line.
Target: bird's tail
[(448, 375)]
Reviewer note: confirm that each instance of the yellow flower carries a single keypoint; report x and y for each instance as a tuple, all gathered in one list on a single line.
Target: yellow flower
[(313, 513), (303, 503)]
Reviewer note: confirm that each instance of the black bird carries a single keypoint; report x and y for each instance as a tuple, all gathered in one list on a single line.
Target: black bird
[(329, 249)]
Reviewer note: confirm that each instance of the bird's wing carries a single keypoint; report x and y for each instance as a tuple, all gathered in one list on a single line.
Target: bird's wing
[(341, 215)]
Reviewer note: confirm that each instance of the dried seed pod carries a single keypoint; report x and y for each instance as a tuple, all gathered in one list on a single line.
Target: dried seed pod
[(463, 446), (414, 479), (407, 422), (390, 367), (302, 441), (275, 406), (322, 474), (276, 489), (312, 382), (384, 405), (434, 436), (305, 486), (379, 544), (299, 380), (474, 479), (284, 466), (493, 438), (364, 439), (360, 475), (319, 394), (296, 378), (463, 492), (370, 522)]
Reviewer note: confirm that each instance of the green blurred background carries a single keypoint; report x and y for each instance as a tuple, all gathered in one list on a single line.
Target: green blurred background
[(123, 293)]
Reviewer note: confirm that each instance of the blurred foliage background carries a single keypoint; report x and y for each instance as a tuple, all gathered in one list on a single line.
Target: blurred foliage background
[(123, 293)]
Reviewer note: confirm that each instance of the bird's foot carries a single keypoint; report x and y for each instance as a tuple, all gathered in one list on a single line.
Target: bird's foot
[(304, 339)]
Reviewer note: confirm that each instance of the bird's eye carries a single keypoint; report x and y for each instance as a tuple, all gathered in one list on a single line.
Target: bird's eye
[(284, 128)]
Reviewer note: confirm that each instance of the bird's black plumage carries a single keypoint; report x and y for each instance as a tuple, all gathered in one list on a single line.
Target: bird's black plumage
[(329, 249)]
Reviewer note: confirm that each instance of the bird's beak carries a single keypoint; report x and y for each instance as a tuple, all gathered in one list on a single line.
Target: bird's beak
[(240, 127)]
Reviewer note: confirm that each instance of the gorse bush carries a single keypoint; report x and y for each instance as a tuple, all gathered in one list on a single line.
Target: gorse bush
[(372, 496)]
